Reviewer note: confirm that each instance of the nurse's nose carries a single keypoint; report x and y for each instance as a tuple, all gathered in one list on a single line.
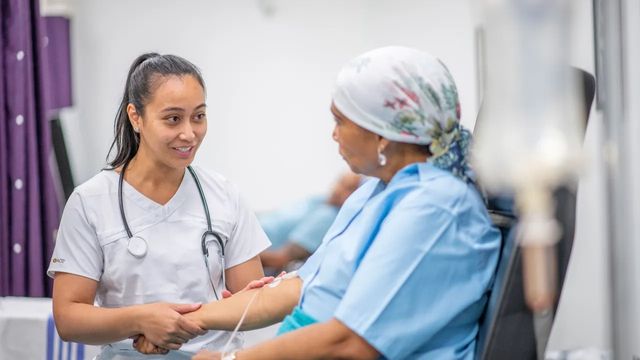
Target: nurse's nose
[(334, 134), (186, 132)]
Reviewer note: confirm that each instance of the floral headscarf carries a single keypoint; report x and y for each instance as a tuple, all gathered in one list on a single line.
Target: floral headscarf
[(408, 96)]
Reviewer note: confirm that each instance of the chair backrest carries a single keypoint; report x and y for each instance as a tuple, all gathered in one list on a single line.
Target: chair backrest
[(506, 330), (507, 326)]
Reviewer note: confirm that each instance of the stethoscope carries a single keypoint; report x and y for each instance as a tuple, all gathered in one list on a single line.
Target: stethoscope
[(137, 245)]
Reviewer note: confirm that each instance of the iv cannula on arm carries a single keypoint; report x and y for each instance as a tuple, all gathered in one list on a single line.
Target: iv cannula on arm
[(271, 305)]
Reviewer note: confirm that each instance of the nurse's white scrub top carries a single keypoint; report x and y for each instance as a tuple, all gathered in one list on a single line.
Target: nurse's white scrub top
[(407, 266), (92, 242)]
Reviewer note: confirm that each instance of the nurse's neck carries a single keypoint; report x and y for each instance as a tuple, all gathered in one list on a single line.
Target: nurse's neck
[(153, 179)]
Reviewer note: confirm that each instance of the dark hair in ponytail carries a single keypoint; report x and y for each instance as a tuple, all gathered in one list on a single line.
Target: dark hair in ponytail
[(142, 79)]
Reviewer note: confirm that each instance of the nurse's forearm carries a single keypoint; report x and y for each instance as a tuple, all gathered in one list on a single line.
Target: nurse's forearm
[(77, 319), (271, 305), (94, 325)]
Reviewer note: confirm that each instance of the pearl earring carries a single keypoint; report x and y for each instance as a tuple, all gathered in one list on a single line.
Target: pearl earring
[(382, 160)]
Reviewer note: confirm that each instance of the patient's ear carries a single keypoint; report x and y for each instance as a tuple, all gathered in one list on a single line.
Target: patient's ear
[(382, 144)]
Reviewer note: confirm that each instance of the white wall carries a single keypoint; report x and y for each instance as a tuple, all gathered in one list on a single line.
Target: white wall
[(269, 84), (269, 77)]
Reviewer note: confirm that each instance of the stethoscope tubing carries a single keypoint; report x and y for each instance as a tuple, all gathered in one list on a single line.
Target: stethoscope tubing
[(203, 241)]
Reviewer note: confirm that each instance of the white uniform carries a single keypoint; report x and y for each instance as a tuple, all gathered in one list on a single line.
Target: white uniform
[(92, 242)]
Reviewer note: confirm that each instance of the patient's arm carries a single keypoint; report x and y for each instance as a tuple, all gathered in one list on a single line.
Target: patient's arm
[(270, 306), (327, 340)]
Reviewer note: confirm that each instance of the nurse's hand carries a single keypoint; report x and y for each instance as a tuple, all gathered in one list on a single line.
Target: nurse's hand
[(207, 355), (163, 324), (143, 346), (255, 284)]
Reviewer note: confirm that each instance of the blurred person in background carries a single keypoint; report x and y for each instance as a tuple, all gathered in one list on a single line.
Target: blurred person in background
[(297, 230)]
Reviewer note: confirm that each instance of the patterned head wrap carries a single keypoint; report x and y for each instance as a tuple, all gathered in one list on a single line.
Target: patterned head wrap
[(408, 96)]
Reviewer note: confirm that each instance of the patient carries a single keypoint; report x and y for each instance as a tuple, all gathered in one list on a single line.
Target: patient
[(297, 230), (404, 271)]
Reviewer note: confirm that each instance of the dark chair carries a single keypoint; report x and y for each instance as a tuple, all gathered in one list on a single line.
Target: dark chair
[(62, 157), (507, 327)]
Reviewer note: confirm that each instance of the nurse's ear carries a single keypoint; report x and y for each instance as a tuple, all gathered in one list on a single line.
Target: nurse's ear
[(134, 117)]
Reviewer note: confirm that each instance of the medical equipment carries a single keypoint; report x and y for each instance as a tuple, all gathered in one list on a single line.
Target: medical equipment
[(137, 245), (279, 279), (531, 96)]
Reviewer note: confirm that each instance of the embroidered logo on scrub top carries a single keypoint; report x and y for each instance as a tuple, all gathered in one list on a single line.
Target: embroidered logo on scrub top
[(56, 260)]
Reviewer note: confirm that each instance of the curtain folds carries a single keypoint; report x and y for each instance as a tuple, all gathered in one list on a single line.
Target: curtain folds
[(29, 194)]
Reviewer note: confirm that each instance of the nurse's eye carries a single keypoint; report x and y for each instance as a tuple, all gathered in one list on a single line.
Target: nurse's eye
[(172, 119), (200, 116)]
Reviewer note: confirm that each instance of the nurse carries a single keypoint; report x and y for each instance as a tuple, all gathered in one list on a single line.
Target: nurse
[(405, 269), (149, 239)]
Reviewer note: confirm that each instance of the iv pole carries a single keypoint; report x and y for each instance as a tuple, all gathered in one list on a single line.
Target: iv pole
[(617, 25)]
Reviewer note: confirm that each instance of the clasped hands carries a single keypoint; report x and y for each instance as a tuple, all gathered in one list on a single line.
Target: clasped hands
[(167, 329)]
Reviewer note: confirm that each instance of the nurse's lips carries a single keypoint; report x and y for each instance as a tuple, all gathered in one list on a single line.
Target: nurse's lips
[(183, 151)]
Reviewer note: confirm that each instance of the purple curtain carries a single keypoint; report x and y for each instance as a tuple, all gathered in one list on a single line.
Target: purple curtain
[(29, 199)]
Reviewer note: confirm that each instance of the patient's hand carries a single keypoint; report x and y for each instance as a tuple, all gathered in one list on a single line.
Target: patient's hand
[(255, 284)]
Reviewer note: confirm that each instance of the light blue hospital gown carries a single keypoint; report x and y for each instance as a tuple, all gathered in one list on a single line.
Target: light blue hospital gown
[(407, 266)]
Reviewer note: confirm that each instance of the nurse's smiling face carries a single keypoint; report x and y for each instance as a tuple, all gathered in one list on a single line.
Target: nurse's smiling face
[(174, 121), (358, 146)]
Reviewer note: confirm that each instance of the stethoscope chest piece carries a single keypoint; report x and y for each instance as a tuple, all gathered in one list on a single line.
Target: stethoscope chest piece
[(137, 246)]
